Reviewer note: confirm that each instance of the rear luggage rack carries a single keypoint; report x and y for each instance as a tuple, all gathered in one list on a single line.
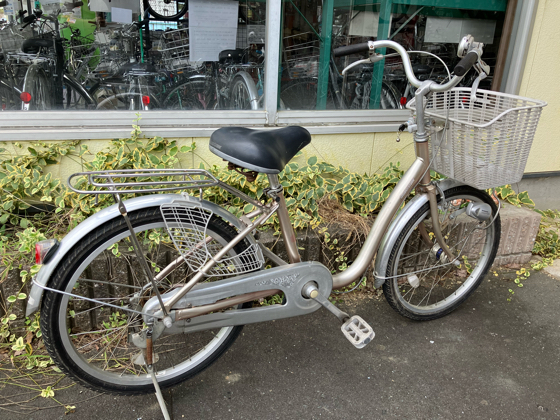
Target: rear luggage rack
[(142, 180)]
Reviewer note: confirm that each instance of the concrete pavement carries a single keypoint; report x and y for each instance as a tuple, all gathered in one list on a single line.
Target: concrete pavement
[(490, 359)]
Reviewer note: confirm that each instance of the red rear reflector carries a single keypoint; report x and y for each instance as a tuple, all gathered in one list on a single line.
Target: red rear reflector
[(146, 100), (42, 248), (403, 101), (25, 97)]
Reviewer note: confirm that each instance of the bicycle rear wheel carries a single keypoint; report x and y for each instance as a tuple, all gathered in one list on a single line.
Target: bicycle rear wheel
[(38, 86), (166, 9), (440, 287), (242, 95), (301, 94), (91, 342), (189, 95)]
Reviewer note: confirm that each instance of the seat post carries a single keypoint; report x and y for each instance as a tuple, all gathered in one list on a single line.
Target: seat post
[(285, 224)]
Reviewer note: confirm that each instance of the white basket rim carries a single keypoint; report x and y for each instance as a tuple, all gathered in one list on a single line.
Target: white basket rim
[(537, 104)]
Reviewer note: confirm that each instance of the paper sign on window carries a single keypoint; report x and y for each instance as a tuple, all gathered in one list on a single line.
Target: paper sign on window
[(212, 28)]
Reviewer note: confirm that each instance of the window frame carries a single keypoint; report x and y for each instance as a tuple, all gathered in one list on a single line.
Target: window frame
[(82, 125)]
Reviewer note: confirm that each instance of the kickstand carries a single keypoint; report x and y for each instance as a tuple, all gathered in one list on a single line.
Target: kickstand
[(149, 363), (159, 395)]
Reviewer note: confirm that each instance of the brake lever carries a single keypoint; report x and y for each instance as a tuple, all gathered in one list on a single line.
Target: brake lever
[(373, 58)]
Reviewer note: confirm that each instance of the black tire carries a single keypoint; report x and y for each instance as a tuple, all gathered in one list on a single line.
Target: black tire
[(90, 342), (37, 84), (442, 288), (389, 98), (188, 96), (166, 9), (302, 95)]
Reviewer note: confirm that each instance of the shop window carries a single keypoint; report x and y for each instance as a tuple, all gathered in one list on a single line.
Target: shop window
[(311, 77), (208, 58)]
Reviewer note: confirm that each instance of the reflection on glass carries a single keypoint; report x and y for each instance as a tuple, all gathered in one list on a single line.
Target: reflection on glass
[(383, 85), (209, 58)]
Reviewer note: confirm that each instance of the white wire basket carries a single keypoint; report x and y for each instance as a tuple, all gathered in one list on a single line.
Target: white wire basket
[(11, 38), (301, 57), (174, 47), (487, 140), (187, 227)]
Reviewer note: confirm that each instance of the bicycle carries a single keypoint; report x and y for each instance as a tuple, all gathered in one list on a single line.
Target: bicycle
[(48, 82), (125, 305), (225, 84)]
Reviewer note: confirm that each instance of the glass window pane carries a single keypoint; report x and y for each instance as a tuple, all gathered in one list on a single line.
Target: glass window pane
[(311, 77), (210, 57)]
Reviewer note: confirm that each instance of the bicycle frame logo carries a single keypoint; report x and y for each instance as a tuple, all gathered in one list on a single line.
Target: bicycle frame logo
[(287, 281)]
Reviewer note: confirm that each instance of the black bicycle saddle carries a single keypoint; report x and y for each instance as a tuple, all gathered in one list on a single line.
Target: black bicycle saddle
[(266, 151)]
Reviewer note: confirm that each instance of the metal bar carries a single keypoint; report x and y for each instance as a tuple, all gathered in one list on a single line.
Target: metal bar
[(122, 308), (306, 21), (139, 255), (436, 226), (516, 65), (223, 304), (267, 253), (286, 227), (325, 53), (489, 5), (382, 221), (379, 67), (406, 22), (272, 60)]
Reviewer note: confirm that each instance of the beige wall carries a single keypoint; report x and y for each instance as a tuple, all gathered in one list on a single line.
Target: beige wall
[(541, 81)]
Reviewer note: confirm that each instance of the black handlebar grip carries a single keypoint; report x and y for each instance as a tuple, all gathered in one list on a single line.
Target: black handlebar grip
[(466, 63), (3, 3), (351, 49)]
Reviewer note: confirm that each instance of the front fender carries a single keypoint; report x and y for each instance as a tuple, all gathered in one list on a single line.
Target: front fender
[(105, 215), (397, 225)]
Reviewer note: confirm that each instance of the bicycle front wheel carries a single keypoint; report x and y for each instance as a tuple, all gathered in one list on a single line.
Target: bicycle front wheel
[(425, 285), (90, 341)]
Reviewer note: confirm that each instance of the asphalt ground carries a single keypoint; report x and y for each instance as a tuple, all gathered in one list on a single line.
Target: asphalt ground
[(490, 359)]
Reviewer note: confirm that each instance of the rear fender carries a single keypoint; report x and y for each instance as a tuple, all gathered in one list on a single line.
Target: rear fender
[(77, 234)]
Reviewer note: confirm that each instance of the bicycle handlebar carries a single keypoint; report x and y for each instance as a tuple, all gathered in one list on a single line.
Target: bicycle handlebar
[(466, 63), (460, 70), (351, 49)]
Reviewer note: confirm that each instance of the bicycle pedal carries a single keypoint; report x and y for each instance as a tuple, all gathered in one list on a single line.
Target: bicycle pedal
[(358, 331)]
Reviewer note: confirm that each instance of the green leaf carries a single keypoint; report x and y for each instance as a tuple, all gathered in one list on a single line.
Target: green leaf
[(312, 160), (173, 151), (4, 218), (524, 199), (290, 202), (248, 208), (8, 205), (11, 299), (21, 296)]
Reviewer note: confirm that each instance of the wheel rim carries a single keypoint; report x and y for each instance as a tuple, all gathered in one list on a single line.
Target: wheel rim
[(240, 96), (442, 285), (103, 351)]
